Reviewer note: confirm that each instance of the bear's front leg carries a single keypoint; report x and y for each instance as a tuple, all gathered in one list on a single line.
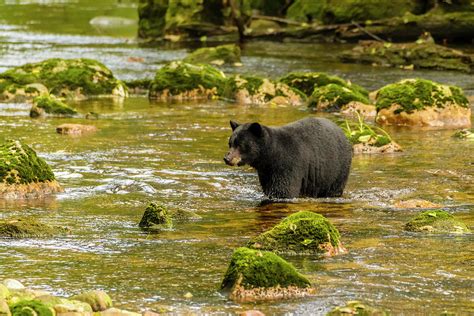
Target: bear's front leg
[(280, 185)]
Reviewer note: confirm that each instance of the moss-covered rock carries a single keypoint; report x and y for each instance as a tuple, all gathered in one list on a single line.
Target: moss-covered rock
[(31, 308), (71, 78), (256, 90), (63, 305), (419, 55), (4, 308), (369, 140), (436, 221), (4, 292), (50, 106), (333, 97), (138, 86), (465, 134), (304, 232), (181, 215), (28, 227), (255, 275), (182, 81), (357, 308), (156, 217), (24, 174), (98, 300), (419, 102), (219, 55), (355, 109)]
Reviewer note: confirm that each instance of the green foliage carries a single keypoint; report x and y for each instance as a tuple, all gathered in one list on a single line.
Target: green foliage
[(302, 232), (19, 164), (156, 217), (335, 96), (416, 94), (31, 308), (229, 54), (360, 132), (179, 77), (305, 10), (261, 269), (437, 221), (51, 105)]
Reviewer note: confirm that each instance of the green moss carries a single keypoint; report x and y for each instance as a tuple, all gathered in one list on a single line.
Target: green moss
[(357, 308), (250, 83), (261, 269), (302, 232), (305, 10), (64, 76), (178, 77), (19, 164), (181, 215), (416, 94), (151, 15), (436, 221), (50, 105), (31, 308), (27, 227), (361, 133), (306, 82), (156, 217), (332, 97), (139, 83), (465, 134), (229, 54)]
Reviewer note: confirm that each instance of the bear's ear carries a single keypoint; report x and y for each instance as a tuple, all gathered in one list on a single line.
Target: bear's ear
[(234, 124), (256, 129)]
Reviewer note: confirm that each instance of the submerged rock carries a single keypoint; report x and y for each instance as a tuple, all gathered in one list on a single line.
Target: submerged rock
[(357, 308), (416, 203), (182, 81), (369, 140), (98, 300), (256, 90), (156, 217), (255, 275), (51, 106), (75, 129), (421, 54), (181, 215), (464, 134), (419, 102), (436, 221), (71, 78), (304, 232), (23, 174), (219, 55), (28, 227)]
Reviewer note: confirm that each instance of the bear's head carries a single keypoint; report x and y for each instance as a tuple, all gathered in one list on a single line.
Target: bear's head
[(245, 144)]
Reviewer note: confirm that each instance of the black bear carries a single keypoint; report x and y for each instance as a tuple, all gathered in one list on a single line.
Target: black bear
[(307, 158)]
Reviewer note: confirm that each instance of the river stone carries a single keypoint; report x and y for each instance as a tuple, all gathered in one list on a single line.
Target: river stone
[(71, 78), (303, 232), (424, 103), (12, 284), (259, 91), (75, 129), (23, 174), (465, 134), (219, 55), (436, 221), (183, 81), (255, 275), (118, 312), (62, 305), (4, 309), (49, 105), (416, 203), (156, 217), (357, 308), (27, 227), (4, 291), (98, 300)]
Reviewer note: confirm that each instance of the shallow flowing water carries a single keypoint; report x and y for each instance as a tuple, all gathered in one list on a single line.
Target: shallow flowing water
[(172, 153)]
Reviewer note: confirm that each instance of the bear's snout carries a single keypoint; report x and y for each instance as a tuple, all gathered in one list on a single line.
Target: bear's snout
[(232, 158)]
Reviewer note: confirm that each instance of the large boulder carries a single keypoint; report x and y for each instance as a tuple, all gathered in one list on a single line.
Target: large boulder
[(182, 81), (436, 221), (419, 55), (23, 174), (256, 90), (255, 275), (304, 232), (419, 102), (48, 105), (71, 78), (28, 227), (219, 55)]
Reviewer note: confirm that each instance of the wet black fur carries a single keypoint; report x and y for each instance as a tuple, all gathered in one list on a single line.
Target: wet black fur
[(308, 158)]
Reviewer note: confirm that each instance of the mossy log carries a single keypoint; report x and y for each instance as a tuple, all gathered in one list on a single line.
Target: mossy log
[(255, 275), (419, 55)]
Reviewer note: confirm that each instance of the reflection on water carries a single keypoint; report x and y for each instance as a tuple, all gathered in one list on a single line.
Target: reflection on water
[(172, 153)]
